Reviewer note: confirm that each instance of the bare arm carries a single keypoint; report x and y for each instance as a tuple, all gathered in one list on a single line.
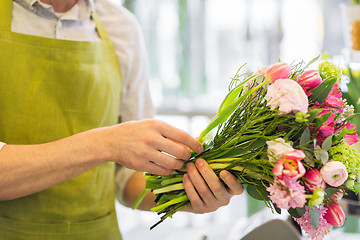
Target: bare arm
[(26, 169)]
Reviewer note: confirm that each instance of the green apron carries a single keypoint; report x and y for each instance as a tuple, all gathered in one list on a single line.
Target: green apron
[(50, 89)]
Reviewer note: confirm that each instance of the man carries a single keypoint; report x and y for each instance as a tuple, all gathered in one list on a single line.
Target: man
[(68, 69)]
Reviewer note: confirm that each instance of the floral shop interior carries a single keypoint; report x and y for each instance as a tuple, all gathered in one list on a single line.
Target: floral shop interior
[(195, 49)]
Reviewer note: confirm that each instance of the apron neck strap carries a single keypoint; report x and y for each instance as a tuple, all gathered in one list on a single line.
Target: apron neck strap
[(99, 27), (5, 14)]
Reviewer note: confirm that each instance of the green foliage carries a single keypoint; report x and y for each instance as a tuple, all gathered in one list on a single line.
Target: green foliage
[(314, 216), (320, 93), (348, 155), (328, 69), (297, 212)]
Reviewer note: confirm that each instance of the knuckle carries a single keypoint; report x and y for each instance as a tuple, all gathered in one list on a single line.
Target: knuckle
[(202, 191), (226, 201), (217, 188), (182, 137)]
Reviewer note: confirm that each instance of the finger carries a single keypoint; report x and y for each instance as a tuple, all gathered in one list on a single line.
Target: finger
[(230, 180), (181, 137), (200, 185), (165, 160), (175, 149), (195, 200), (156, 169), (214, 183)]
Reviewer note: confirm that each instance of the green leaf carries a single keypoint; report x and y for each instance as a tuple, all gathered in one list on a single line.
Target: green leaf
[(321, 120), (326, 145), (235, 153), (305, 137), (314, 113), (340, 136), (231, 96), (254, 192), (320, 93), (297, 212), (314, 216), (309, 158), (225, 113), (278, 210), (356, 188)]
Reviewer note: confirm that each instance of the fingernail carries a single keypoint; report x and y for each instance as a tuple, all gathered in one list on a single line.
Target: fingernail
[(200, 162), (199, 149), (225, 175)]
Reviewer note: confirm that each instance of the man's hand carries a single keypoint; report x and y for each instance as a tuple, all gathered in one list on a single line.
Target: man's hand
[(205, 190), (148, 146)]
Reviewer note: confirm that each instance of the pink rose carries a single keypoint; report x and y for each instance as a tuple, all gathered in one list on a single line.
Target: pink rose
[(334, 173), (290, 166), (277, 71), (309, 80), (277, 148), (335, 214), (288, 96), (313, 180)]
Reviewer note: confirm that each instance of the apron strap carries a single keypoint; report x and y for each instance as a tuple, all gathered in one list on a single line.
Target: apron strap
[(99, 27), (5, 14)]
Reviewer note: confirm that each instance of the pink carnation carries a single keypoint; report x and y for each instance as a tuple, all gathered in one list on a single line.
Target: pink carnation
[(288, 96), (314, 233), (289, 195)]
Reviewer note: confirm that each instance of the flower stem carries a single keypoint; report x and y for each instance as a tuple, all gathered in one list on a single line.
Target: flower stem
[(174, 187), (218, 166), (169, 203), (139, 199)]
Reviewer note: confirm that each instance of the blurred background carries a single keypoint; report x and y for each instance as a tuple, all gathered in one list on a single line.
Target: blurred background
[(195, 48)]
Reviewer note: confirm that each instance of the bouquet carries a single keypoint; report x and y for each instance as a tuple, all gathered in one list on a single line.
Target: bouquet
[(285, 133)]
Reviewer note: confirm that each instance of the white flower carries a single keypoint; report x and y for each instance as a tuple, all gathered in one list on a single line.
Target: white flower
[(277, 148)]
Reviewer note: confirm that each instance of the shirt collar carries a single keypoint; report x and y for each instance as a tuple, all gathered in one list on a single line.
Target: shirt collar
[(80, 11)]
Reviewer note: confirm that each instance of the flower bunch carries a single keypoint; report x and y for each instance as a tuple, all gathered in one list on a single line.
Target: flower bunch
[(285, 133)]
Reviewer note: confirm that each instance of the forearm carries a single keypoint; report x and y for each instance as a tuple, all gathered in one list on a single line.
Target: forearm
[(134, 188), (27, 169)]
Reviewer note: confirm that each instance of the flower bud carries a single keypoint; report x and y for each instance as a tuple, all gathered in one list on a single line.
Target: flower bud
[(317, 198), (277, 71), (301, 117), (313, 180), (334, 173), (309, 79), (334, 214), (350, 181)]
